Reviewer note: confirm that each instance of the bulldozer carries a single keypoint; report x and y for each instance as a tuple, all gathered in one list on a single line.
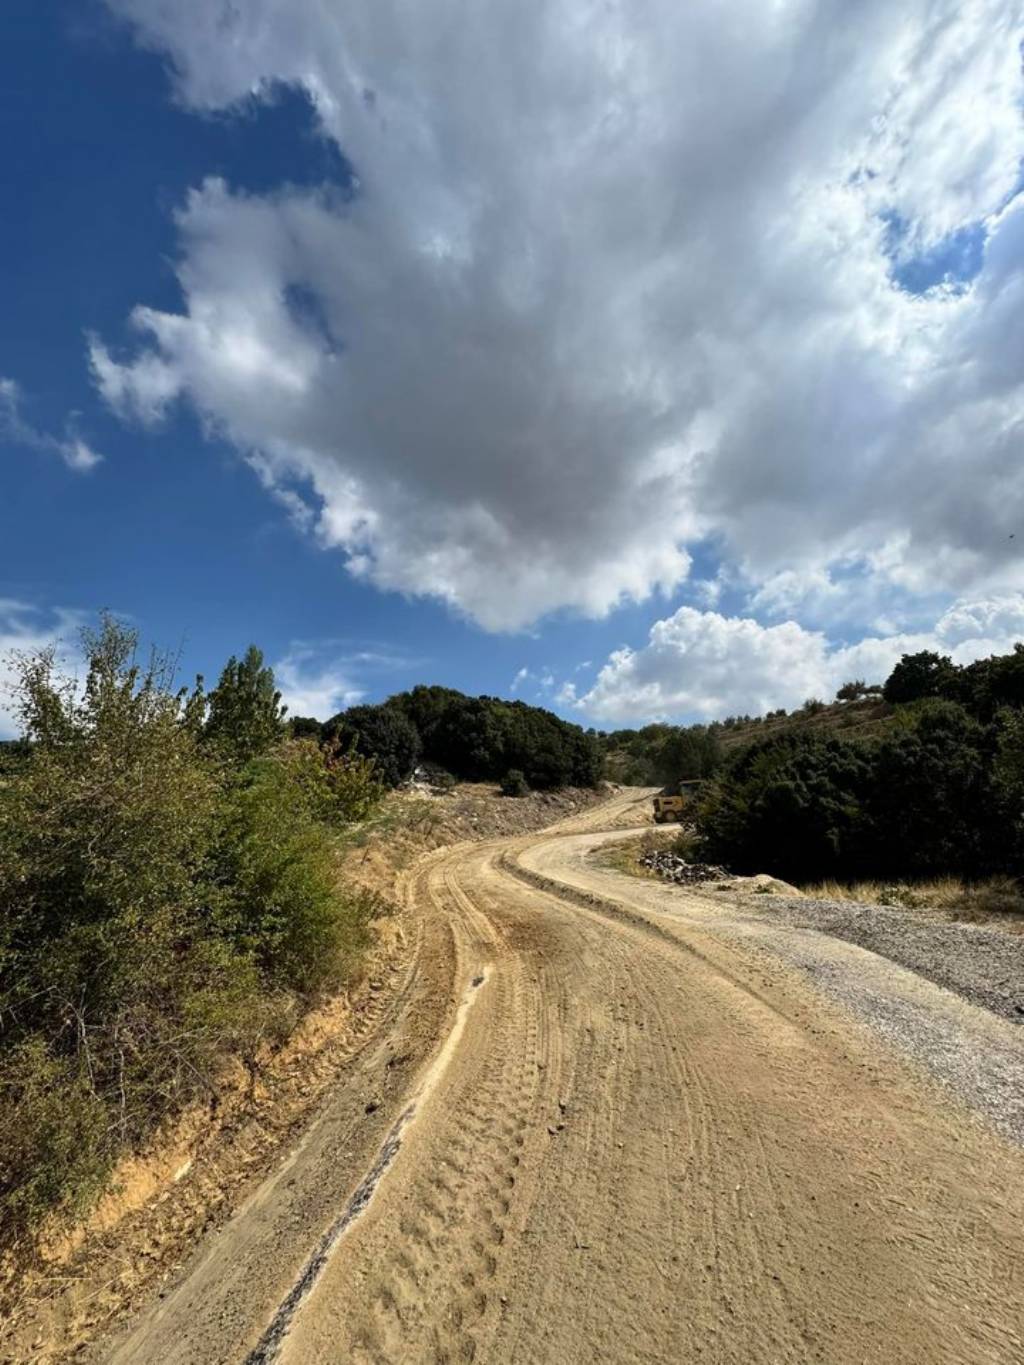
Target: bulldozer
[(667, 808), (671, 802)]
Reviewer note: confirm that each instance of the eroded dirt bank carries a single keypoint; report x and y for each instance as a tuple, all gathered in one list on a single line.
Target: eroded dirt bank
[(642, 1140)]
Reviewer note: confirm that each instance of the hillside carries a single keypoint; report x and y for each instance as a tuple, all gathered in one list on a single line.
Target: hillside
[(664, 754), (862, 719)]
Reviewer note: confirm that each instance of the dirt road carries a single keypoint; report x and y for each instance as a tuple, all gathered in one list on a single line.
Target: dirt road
[(594, 1132)]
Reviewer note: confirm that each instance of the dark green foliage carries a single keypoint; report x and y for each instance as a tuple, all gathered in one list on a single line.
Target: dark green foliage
[(917, 676), (932, 808), (662, 754), (686, 755), (382, 733), (12, 753), (988, 685), (852, 691), (790, 806), (480, 738), (304, 727), (514, 784), (246, 717), (924, 800)]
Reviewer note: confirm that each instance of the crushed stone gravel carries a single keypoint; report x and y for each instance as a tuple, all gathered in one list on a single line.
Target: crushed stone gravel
[(984, 965)]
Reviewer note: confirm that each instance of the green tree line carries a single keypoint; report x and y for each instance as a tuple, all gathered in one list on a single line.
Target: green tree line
[(477, 739), (940, 791)]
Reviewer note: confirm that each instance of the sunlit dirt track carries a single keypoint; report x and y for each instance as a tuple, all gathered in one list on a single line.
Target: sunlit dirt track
[(623, 1138)]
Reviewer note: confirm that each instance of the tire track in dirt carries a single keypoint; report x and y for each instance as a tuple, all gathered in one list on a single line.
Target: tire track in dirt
[(642, 1147)]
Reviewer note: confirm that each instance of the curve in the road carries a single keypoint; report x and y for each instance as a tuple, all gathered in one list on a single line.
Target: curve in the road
[(641, 1146)]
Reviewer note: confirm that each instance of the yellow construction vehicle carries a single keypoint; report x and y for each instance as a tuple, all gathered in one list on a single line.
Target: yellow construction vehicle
[(667, 808), (671, 802)]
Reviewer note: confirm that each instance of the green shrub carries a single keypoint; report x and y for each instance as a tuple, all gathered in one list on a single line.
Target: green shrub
[(381, 733), (480, 738), (921, 675), (276, 889), (514, 784), (160, 909), (924, 800), (788, 805)]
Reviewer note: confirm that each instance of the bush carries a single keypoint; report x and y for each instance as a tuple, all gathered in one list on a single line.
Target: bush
[(514, 784), (686, 755), (277, 899), (925, 800), (162, 909), (480, 738), (334, 786), (381, 733), (852, 691), (789, 805)]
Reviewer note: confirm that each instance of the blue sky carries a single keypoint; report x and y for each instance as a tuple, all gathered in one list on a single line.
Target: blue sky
[(172, 530), (675, 422)]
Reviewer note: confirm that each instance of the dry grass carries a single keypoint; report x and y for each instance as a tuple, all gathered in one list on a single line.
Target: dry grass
[(625, 854), (863, 719), (996, 898)]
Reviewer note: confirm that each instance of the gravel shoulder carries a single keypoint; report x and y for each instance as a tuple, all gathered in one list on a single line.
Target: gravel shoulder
[(944, 996), (629, 1125), (982, 964)]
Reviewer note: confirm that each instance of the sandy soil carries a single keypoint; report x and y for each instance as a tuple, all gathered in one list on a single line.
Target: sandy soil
[(599, 1130)]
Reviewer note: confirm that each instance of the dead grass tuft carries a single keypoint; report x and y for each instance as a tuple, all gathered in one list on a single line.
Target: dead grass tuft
[(996, 898)]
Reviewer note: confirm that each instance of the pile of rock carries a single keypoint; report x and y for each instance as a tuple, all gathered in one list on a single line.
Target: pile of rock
[(676, 869)]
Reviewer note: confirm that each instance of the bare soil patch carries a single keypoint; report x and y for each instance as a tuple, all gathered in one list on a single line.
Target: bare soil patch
[(200, 1169)]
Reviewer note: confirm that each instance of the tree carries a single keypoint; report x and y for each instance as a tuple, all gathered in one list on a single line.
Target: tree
[(304, 727), (932, 809), (852, 691), (514, 784), (160, 910), (790, 805), (246, 717), (921, 675), (686, 755), (383, 733)]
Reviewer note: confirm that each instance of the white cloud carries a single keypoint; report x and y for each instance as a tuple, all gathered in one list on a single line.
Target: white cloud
[(615, 278), (702, 665), (75, 453), (25, 629), (310, 686)]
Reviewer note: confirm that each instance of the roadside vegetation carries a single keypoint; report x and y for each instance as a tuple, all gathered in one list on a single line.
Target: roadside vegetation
[(172, 894), (169, 900), (997, 898), (938, 793), (474, 739), (626, 854), (909, 792)]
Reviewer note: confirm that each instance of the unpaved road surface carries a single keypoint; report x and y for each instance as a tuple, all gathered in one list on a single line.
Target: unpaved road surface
[(601, 1127)]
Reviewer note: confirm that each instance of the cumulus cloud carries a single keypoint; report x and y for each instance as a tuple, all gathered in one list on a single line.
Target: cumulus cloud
[(702, 665), (308, 690), (322, 677), (75, 453), (613, 278), (26, 629)]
